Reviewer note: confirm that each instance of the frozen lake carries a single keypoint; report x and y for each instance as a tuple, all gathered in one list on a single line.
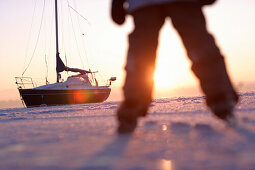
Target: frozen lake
[(179, 133)]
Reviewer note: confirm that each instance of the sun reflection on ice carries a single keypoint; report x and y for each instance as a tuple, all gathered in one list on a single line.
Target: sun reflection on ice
[(164, 127), (166, 164)]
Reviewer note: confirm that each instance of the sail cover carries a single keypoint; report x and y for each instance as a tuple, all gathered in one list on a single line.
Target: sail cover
[(77, 70)]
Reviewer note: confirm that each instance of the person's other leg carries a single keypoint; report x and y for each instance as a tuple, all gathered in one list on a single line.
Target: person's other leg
[(207, 61), (140, 66)]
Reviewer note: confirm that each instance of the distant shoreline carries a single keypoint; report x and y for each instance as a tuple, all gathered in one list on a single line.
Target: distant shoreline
[(10, 104)]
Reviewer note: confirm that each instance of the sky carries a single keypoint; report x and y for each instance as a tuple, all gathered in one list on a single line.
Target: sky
[(105, 44)]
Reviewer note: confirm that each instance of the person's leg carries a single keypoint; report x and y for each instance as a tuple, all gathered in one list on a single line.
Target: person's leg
[(139, 68), (207, 61)]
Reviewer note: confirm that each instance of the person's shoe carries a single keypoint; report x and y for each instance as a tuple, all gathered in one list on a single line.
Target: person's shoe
[(224, 111), (126, 126), (127, 116), (222, 105)]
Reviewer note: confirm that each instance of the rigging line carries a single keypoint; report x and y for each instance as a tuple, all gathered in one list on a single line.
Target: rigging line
[(29, 38), (47, 70), (45, 35), (83, 34), (65, 59), (102, 77), (68, 36), (62, 28), (75, 37), (38, 36), (82, 38), (86, 56), (51, 31), (78, 13), (83, 42)]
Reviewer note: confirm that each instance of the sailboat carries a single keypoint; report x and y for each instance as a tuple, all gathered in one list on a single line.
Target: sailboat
[(77, 89)]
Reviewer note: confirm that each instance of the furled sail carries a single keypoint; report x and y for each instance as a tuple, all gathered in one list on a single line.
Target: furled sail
[(61, 67)]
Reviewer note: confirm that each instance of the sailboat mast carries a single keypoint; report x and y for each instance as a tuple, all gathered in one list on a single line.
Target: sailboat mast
[(57, 50)]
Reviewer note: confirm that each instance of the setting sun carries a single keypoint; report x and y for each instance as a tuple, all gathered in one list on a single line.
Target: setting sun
[(165, 78)]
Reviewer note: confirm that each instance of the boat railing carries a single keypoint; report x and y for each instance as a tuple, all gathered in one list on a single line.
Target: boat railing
[(24, 82)]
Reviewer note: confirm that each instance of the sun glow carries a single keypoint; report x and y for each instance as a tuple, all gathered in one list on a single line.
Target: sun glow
[(171, 69), (172, 65)]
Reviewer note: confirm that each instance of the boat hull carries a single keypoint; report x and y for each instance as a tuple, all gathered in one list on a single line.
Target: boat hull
[(41, 97)]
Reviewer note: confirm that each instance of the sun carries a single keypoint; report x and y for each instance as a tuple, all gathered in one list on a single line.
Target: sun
[(166, 77)]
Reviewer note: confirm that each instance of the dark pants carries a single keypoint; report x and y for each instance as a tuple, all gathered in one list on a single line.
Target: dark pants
[(207, 62)]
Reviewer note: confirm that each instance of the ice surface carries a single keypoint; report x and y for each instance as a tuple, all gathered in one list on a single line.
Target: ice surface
[(179, 133)]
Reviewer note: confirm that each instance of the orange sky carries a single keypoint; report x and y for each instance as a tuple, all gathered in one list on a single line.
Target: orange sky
[(106, 43)]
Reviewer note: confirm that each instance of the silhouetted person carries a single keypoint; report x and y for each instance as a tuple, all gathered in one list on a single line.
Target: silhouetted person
[(207, 62)]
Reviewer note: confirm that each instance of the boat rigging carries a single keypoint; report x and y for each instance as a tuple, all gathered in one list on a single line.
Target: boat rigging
[(76, 89)]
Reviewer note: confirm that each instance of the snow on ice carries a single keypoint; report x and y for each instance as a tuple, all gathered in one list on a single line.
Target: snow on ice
[(179, 133)]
